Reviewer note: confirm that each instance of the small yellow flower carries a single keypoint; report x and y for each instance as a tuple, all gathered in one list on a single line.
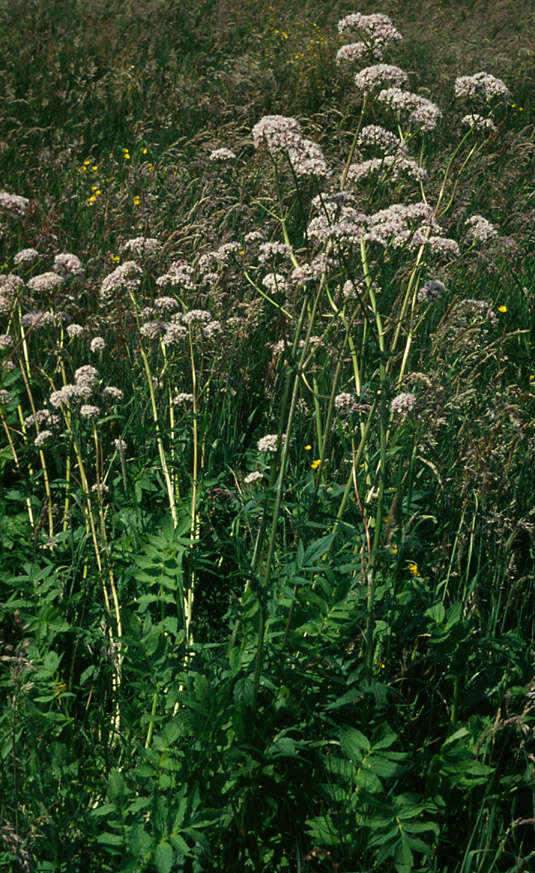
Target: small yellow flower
[(91, 199), (315, 464), (136, 201), (413, 568), (502, 308), (115, 258), (144, 150), (532, 377), (395, 549), (94, 168), (308, 448), (60, 688)]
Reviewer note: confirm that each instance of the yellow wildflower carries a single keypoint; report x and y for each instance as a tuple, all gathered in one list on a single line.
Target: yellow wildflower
[(413, 568), (315, 464), (502, 308)]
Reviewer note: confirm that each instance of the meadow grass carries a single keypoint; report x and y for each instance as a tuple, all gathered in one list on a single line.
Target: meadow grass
[(267, 408)]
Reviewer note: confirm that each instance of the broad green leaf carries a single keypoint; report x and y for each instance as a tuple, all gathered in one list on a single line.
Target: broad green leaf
[(164, 857), (353, 743), (323, 831), (436, 612)]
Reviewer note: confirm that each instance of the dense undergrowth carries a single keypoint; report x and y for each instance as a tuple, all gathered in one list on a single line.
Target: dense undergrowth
[(267, 402)]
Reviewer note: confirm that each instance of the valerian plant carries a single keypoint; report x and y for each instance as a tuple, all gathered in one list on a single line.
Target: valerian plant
[(266, 599)]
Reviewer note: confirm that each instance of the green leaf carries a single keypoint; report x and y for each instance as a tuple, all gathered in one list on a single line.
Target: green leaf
[(317, 549), (109, 839), (164, 857), (458, 735), (116, 788), (323, 831), (353, 743), (403, 857), (436, 612)]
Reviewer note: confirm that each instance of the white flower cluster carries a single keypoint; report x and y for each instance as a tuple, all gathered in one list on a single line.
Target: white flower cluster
[(380, 74), (376, 29), (306, 158), (152, 330), (110, 392), (40, 418), (196, 316), (391, 165), (183, 397), (478, 123), (347, 226), (86, 375), (166, 304), (45, 282), (13, 204), (402, 404), (268, 250), (25, 256), (42, 438), (353, 51), (179, 274), (269, 443), (481, 86), (275, 282), (278, 132), (125, 277), (88, 411), (141, 246), (401, 224), (97, 344), (251, 478), (67, 264), (479, 229), (39, 318), (174, 333), (423, 113), (282, 134), (74, 330), (375, 135), (345, 403), (254, 236), (222, 155)]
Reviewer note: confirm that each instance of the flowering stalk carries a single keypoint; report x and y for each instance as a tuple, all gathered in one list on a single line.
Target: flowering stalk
[(159, 441)]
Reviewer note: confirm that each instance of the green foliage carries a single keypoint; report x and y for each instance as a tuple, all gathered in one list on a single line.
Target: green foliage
[(266, 542)]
